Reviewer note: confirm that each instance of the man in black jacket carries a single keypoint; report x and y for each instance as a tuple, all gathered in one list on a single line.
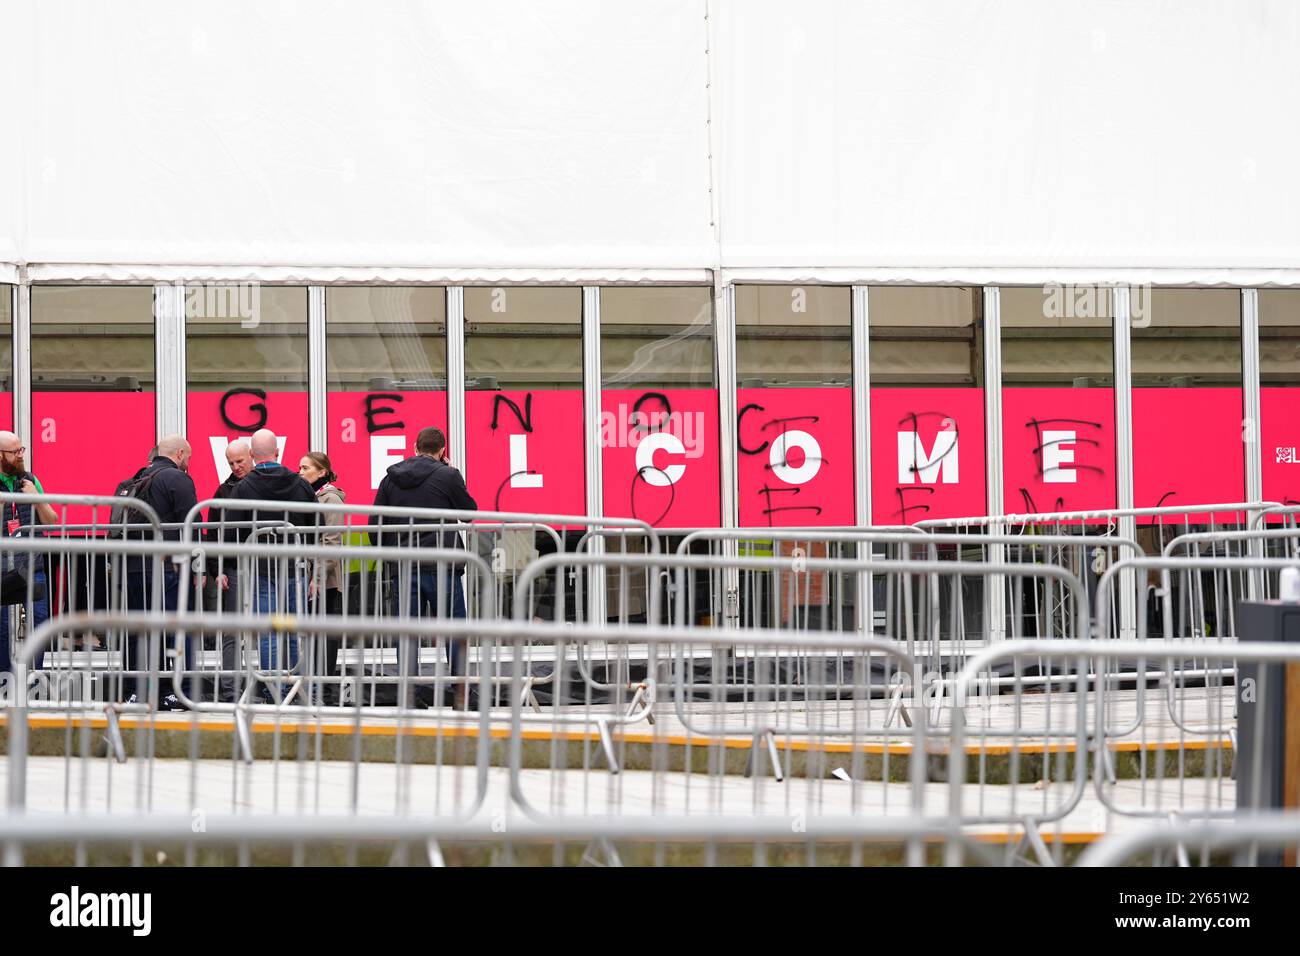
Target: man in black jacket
[(276, 581), (222, 587), (167, 488), (428, 481)]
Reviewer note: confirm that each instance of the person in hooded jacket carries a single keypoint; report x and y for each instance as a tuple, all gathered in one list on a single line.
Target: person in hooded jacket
[(428, 481), (325, 591), (271, 481)]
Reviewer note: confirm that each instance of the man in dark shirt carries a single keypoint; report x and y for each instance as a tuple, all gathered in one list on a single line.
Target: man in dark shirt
[(167, 488), (275, 582), (428, 481), (221, 590)]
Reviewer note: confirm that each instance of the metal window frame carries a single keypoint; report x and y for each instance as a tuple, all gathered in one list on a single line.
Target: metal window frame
[(1251, 397), (994, 587), (169, 359), (317, 370), (22, 363)]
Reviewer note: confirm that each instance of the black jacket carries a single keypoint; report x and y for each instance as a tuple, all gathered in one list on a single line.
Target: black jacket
[(268, 484), (170, 493), (216, 515), (423, 482)]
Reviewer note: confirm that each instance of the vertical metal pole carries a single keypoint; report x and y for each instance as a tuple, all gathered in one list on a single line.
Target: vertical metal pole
[(1251, 424), (456, 376), (317, 369), (994, 591), (22, 389), (591, 407), (1124, 449), (724, 319), (169, 358), (859, 316)]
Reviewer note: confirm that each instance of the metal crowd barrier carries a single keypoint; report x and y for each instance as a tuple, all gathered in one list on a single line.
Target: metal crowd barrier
[(1159, 769), (745, 674), (1237, 842)]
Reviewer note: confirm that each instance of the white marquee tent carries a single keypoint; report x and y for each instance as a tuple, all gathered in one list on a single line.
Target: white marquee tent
[(514, 140)]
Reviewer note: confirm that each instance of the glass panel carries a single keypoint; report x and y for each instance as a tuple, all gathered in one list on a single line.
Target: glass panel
[(246, 368), (523, 405), (1058, 399), (1279, 396), (927, 403), (1187, 410), (92, 347), (657, 337), (794, 427), (386, 354), (659, 406), (793, 336)]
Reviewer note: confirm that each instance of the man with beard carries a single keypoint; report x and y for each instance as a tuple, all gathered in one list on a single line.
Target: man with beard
[(16, 479), (221, 591)]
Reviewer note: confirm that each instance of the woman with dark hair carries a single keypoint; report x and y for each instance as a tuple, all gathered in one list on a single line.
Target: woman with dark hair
[(325, 590)]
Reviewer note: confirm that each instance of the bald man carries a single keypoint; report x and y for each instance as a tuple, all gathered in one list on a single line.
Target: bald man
[(276, 586), (166, 487), (221, 590)]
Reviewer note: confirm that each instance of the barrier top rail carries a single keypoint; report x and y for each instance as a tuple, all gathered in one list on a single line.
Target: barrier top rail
[(102, 501), (683, 563), (1280, 510), (982, 661), (433, 514), (1098, 514), (1271, 829), (1212, 537), (892, 535), (1164, 565)]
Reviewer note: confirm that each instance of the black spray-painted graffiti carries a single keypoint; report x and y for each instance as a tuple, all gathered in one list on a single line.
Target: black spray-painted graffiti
[(767, 491), (525, 419), (645, 422), (948, 424), (1040, 445), (372, 423), (259, 408)]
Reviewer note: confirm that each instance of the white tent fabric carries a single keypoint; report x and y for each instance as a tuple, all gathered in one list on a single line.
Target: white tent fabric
[(585, 141), (501, 134)]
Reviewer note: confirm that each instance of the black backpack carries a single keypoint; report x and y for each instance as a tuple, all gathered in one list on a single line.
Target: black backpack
[(137, 486)]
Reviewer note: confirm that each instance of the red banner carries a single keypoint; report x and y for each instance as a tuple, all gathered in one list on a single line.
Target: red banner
[(1188, 448), (927, 454), (660, 456), (794, 464), (215, 419), (368, 431), (524, 451), (1058, 449), (84, 443), (1280, 443)]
